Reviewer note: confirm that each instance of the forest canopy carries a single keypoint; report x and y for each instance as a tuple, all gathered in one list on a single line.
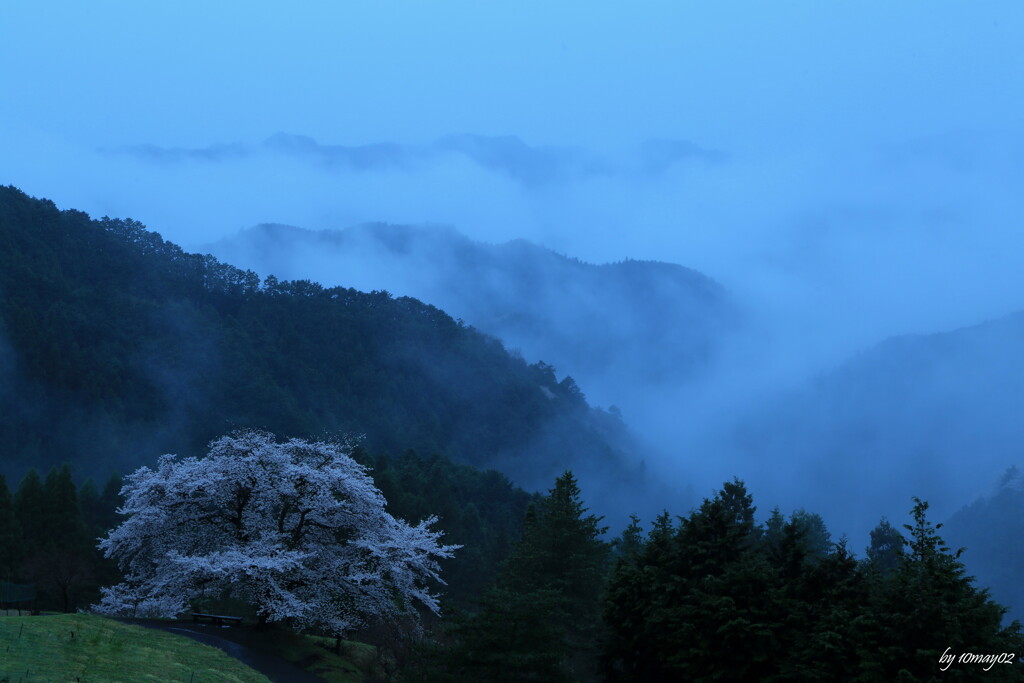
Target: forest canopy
[(116, 346)]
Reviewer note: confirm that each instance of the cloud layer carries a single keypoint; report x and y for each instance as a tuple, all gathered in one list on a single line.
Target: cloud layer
[(870, 186)]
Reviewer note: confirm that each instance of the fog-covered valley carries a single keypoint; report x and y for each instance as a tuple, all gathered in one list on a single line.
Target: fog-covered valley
[(776, 351), (853, 440), (664, 249)]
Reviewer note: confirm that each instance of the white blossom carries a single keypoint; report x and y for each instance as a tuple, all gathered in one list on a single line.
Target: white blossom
[(296, 528)]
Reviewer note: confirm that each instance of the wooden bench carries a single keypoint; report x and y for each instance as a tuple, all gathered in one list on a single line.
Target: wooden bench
[(218, 619)]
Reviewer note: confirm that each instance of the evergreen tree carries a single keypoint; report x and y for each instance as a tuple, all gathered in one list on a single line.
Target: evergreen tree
[(30, 510), (886, 547), (728, 617), (985, 527), (816, 536), (699, 602), (718, 599), (10, 540), (89, 504), (95, 373), (64, 559), (550, 589), (110, 501), (810, 527), (631, 541), (62, 523), (561, 550), (628, 653), (929, 604), (773, 528), (823, 598), (510, 638)]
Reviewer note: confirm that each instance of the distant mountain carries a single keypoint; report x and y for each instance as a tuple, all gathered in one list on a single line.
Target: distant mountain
[(531, 165), (612, 326), (961, 151), (936, 416), (658, 156), (116, 345), (989, 529)]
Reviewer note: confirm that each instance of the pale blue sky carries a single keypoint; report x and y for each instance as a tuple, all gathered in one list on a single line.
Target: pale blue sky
[(726, 74), (875, 146), (873, 187)]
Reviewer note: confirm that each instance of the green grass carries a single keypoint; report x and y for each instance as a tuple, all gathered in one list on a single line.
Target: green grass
[(43, 649)]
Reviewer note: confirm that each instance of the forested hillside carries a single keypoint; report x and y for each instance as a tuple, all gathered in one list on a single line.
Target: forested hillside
[(934, 415), (116, 345), (614, 327), (988, 528)]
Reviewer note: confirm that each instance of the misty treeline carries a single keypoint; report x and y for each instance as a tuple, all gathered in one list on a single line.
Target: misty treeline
[(116, 346), (716, 595), (988, 528), (48, 533), (49, 528), (538, 592), (598, 322)]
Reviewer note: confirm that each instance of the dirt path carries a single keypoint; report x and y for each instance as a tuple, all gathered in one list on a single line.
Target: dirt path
[(271, 666)]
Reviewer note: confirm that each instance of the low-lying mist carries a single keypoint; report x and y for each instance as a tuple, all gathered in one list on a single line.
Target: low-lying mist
[(820, 255)]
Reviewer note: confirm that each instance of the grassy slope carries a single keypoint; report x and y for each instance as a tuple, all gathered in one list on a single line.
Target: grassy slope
[(107, 650)]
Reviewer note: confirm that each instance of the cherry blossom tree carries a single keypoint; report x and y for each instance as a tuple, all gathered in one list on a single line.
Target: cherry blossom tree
[(297, 528)]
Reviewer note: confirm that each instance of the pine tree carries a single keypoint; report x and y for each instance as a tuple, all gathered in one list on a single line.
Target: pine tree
[(10, 540), (823, 598), (89, 504), (65, 558), (773, 529), (886, 547), (928, 604), (729, 617), (699, 602), (110, 501), (817, 539), (549, 590), (63, 523), (561, 550), (719, 599), (30, 510), (631, 541), (630, 648), (510, 638)]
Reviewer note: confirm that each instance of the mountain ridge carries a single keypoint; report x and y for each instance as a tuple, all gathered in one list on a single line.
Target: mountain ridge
[(507, 155), (607, 325), (118, 345)]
